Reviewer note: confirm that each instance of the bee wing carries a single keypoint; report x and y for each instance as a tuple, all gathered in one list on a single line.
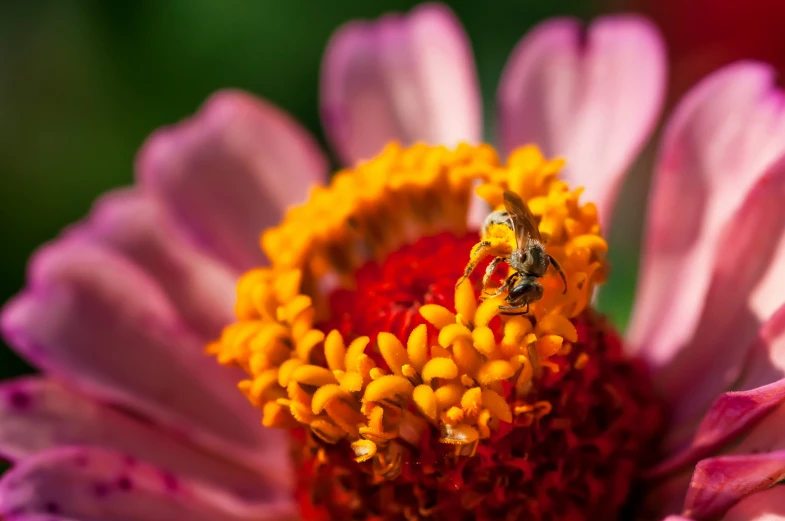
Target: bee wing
[(523, 223)]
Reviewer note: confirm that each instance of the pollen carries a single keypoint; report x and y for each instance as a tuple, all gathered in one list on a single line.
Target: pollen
[(411, 397)]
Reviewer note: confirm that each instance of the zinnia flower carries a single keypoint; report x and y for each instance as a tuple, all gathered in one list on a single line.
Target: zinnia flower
[(387, 391)]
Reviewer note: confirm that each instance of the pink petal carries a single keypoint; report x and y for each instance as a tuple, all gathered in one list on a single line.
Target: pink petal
[(734, 411), (765, 436), (719, 483), (38, 517), (766, 357), (729, 322), (202, 289), (730, 415), (763, 506), (38, 414), (99, 323), (406, 78), (732, 314), (229, 172), (751, 433), (593, 100), (710, 158), (83, 483)]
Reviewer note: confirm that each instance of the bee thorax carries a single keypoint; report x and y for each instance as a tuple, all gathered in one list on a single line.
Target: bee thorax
[(530, 261)]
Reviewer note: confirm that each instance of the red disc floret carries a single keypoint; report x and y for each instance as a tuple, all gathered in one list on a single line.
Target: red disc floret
[(577, 462)]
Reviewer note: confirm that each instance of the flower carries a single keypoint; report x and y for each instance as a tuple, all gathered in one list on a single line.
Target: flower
[(405, 396)]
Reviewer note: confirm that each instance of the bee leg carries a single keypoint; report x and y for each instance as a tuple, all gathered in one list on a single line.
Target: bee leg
[(479, 252), (561, 273), (490, 270), (508, 283), (513, 310), (496, 293)]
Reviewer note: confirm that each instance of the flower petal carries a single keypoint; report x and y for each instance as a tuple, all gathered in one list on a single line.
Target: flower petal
[(710, 157), (37, 517), (759, 434), (593, 100), (730, 415), (764, 436), (755, 393), (766, 357), (84, 483), (763, 506), (407, 78), (721, 482), (229, 172), (202, 289), (729, 320), (38, 414), (96, 321)]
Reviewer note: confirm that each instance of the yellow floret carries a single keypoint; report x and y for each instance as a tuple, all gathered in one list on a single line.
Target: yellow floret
[(452, 381)]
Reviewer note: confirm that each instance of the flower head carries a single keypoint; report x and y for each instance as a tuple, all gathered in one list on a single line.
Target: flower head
[(429, 390), (371, 385)]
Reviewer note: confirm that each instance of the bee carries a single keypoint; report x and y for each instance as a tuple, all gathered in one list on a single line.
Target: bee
[(515, 225)]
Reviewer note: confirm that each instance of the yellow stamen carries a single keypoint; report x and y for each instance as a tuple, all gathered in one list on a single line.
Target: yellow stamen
[(454, 379)]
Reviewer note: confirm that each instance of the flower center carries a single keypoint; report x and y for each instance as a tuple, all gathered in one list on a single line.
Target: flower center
[(410, 396)]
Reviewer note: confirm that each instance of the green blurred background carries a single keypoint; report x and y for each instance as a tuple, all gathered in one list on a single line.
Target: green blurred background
[(83, 83)]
